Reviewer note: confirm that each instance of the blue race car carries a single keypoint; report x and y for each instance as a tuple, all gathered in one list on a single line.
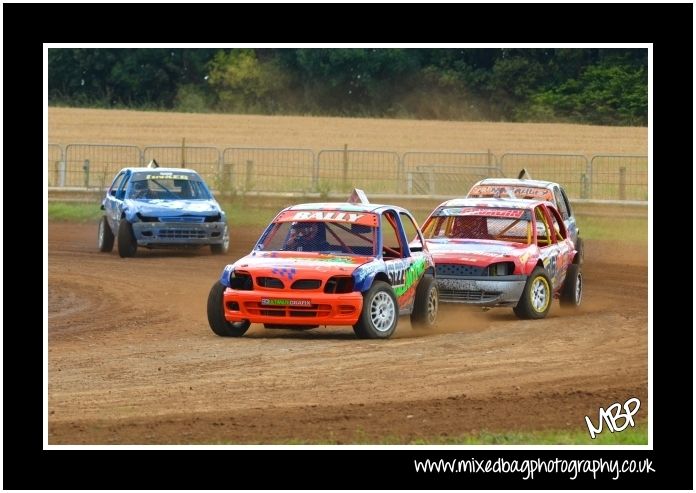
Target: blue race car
[(161, 207)]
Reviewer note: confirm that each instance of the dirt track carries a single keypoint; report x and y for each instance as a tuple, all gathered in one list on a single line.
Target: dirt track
[(132, 360)]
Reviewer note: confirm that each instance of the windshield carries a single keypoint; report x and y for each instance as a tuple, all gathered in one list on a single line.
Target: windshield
[(480, 223), (335, 236), (167, 187)]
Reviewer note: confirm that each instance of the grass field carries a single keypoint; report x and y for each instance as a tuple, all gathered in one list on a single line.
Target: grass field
[(637, 435), (248, 213)]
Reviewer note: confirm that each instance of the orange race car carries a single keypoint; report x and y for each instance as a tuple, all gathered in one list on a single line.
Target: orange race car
[(330, 264)]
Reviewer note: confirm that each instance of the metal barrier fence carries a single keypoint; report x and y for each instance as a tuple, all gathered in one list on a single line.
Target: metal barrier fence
[(247, 169), (340, 170), (95, 165), (56, 166), (267, 170), (204, 159), (446, 173), (622, 177), (571, 170)]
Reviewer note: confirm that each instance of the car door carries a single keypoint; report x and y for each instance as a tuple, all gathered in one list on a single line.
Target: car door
[(402, 266), (554, 246), (114, 199), (563, 206)]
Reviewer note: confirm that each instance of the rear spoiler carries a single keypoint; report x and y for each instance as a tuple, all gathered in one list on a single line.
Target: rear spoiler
[(524, 175), (358, 196)]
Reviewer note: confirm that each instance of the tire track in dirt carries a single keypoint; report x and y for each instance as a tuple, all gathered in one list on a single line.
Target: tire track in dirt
[(132, 360)]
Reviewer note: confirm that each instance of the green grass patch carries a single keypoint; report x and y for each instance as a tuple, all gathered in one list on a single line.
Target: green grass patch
[(241, 213), (630, 436), (637, 435), (74, 211), (259, 211), (625, 229)]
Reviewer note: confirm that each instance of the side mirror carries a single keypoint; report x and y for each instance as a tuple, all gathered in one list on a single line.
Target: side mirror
[(113, 193)]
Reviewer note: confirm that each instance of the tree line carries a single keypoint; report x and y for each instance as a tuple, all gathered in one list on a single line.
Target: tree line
[(607, 86)]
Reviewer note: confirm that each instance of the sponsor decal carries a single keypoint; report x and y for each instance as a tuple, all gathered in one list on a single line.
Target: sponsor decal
[(404, 277), (493, 212), (483, 212), (337, 259), (350, 217), (170, 176), (511, 191), (284, 302), (367, 219)]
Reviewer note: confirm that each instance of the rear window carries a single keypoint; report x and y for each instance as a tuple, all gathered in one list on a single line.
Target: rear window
[(511, 191)]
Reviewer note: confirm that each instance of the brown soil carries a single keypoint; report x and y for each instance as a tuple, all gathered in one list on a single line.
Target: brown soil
[(132, 359)]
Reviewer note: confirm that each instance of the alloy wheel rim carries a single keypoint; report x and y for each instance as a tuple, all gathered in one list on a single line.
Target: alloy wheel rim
[(382, 312), (540, 294), (432, 305)]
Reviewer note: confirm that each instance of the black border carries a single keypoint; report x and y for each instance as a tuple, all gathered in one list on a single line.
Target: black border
[(669, 27)]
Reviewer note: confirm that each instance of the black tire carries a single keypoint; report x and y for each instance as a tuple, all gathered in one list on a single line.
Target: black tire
[(216, 315), (105, 237), (571, 292), (222, 248), (537, 296), (127, 246), (380, 313), (580, 255), (425, 306)]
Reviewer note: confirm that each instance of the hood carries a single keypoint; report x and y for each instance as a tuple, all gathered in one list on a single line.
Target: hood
[(159, 207), (475, 252), (266, 262)]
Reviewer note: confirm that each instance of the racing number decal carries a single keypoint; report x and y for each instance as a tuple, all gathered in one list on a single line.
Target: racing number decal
[(404, 275), (551, 267), (396, 271)]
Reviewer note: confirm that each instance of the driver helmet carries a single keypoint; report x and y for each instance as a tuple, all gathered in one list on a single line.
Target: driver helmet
[(304, 230)]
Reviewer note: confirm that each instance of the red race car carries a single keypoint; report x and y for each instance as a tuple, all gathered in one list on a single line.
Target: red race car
[(503, 252)]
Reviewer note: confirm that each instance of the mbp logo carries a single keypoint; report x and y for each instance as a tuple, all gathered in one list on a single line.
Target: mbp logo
[(612, 415)]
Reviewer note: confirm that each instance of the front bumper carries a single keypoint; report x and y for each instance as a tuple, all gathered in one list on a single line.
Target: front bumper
[(482, 291), (178, 233), (284, 308)]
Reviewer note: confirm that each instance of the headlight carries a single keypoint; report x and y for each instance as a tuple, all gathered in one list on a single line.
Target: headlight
[(501, 269)]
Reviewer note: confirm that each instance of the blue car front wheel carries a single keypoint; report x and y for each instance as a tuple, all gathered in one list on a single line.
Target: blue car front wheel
[(105, 237), (127, 246)]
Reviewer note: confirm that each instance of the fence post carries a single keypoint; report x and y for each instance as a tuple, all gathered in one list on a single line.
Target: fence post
[(345, 167), (249, 172), (315, 174), (62, 165), (85, 168), (56, 173), (226, 178), (183, 152), (584, 186), (622, 183), (399, 175)]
